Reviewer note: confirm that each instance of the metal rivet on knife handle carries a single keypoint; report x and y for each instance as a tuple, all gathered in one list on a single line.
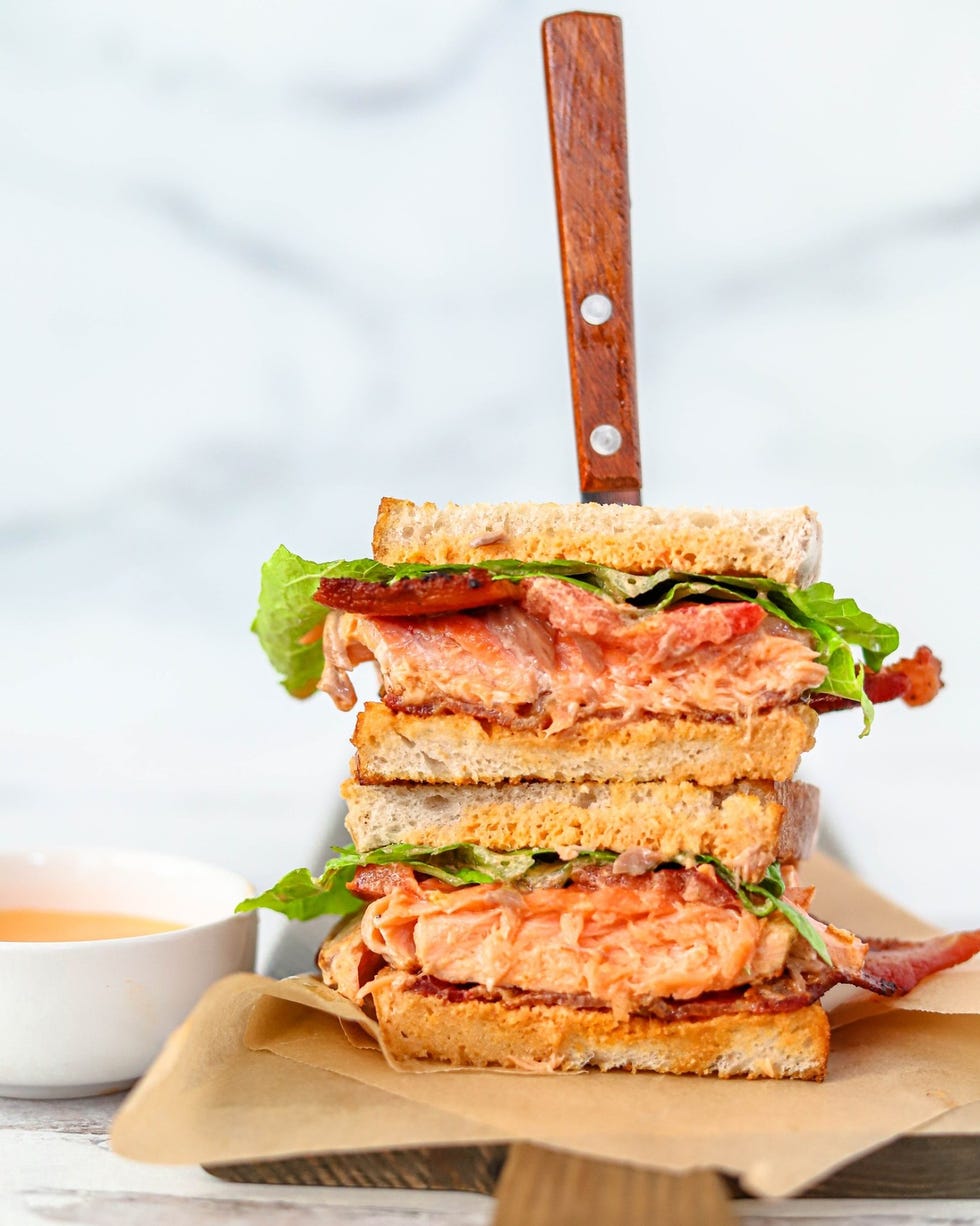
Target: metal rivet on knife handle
[(596, 309), (605, 440), (583, 58)]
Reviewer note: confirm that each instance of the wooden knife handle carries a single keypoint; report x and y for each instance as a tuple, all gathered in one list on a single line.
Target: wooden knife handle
[(583, 58)]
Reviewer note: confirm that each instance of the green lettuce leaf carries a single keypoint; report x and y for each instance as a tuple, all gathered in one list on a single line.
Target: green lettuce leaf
[(288, 614), (288, 618), (765, 896), (300, 895)]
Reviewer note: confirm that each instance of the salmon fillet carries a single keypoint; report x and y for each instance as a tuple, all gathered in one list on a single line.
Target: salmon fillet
[(677, 934), (562, 654), (673, 944)]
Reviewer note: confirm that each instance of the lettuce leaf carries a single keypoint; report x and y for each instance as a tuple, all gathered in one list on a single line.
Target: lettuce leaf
[(765, 896), (288, 620), (288, 615), (300, 895)]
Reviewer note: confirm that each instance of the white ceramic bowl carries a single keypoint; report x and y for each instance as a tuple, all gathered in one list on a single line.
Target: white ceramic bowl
[(87, 1017)]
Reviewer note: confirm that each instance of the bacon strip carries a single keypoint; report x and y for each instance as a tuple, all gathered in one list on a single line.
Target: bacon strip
[(373, 881), (893, 968), (924, 673), (676, 884), (438, 592), (775, 996), (916, 679)]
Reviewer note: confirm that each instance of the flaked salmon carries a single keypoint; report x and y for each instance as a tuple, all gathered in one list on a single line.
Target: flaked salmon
[(670, 944), (621, 941), (561, 654)]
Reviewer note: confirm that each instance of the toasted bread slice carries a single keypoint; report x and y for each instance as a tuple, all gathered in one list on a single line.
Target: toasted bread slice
[(541, 1038), (395, 747), (783, 545), (746, 826)]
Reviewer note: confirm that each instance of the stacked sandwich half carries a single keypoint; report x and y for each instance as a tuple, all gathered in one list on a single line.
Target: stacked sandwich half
[(576, 833)]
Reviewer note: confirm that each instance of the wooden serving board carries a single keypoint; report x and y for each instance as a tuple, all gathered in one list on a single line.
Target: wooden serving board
[(928, 1167)]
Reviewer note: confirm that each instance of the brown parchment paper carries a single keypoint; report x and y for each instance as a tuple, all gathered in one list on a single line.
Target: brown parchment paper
[(263, 1069)]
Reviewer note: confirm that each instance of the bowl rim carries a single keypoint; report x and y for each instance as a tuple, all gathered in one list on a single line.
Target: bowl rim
[(184, 931)]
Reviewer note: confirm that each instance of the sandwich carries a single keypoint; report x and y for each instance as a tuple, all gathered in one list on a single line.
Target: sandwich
[(576, 835)]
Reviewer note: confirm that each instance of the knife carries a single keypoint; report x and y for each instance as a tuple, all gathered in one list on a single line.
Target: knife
[(583, 60)]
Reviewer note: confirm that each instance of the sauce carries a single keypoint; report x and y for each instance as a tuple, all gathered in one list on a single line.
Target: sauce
[(33, 925)]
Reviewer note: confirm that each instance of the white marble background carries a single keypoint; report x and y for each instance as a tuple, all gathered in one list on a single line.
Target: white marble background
[(263, 263)]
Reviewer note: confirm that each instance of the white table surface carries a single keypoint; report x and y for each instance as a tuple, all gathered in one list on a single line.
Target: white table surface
[(56, 1167)]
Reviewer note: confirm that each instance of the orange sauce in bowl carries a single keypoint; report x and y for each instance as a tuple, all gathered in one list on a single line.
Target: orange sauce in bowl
[(31, 925)]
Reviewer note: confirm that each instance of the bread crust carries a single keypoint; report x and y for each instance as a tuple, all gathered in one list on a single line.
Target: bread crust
[(395, 747), (746, 826), (545, 1038), (783, 545)]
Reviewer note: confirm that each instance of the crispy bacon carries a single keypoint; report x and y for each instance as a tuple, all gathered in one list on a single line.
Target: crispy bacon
[(373, 881), (675, 885), (774, 996), (438, 592), (369, 964), (924, 673), (916, 679), (893, 968), (886, 686)]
